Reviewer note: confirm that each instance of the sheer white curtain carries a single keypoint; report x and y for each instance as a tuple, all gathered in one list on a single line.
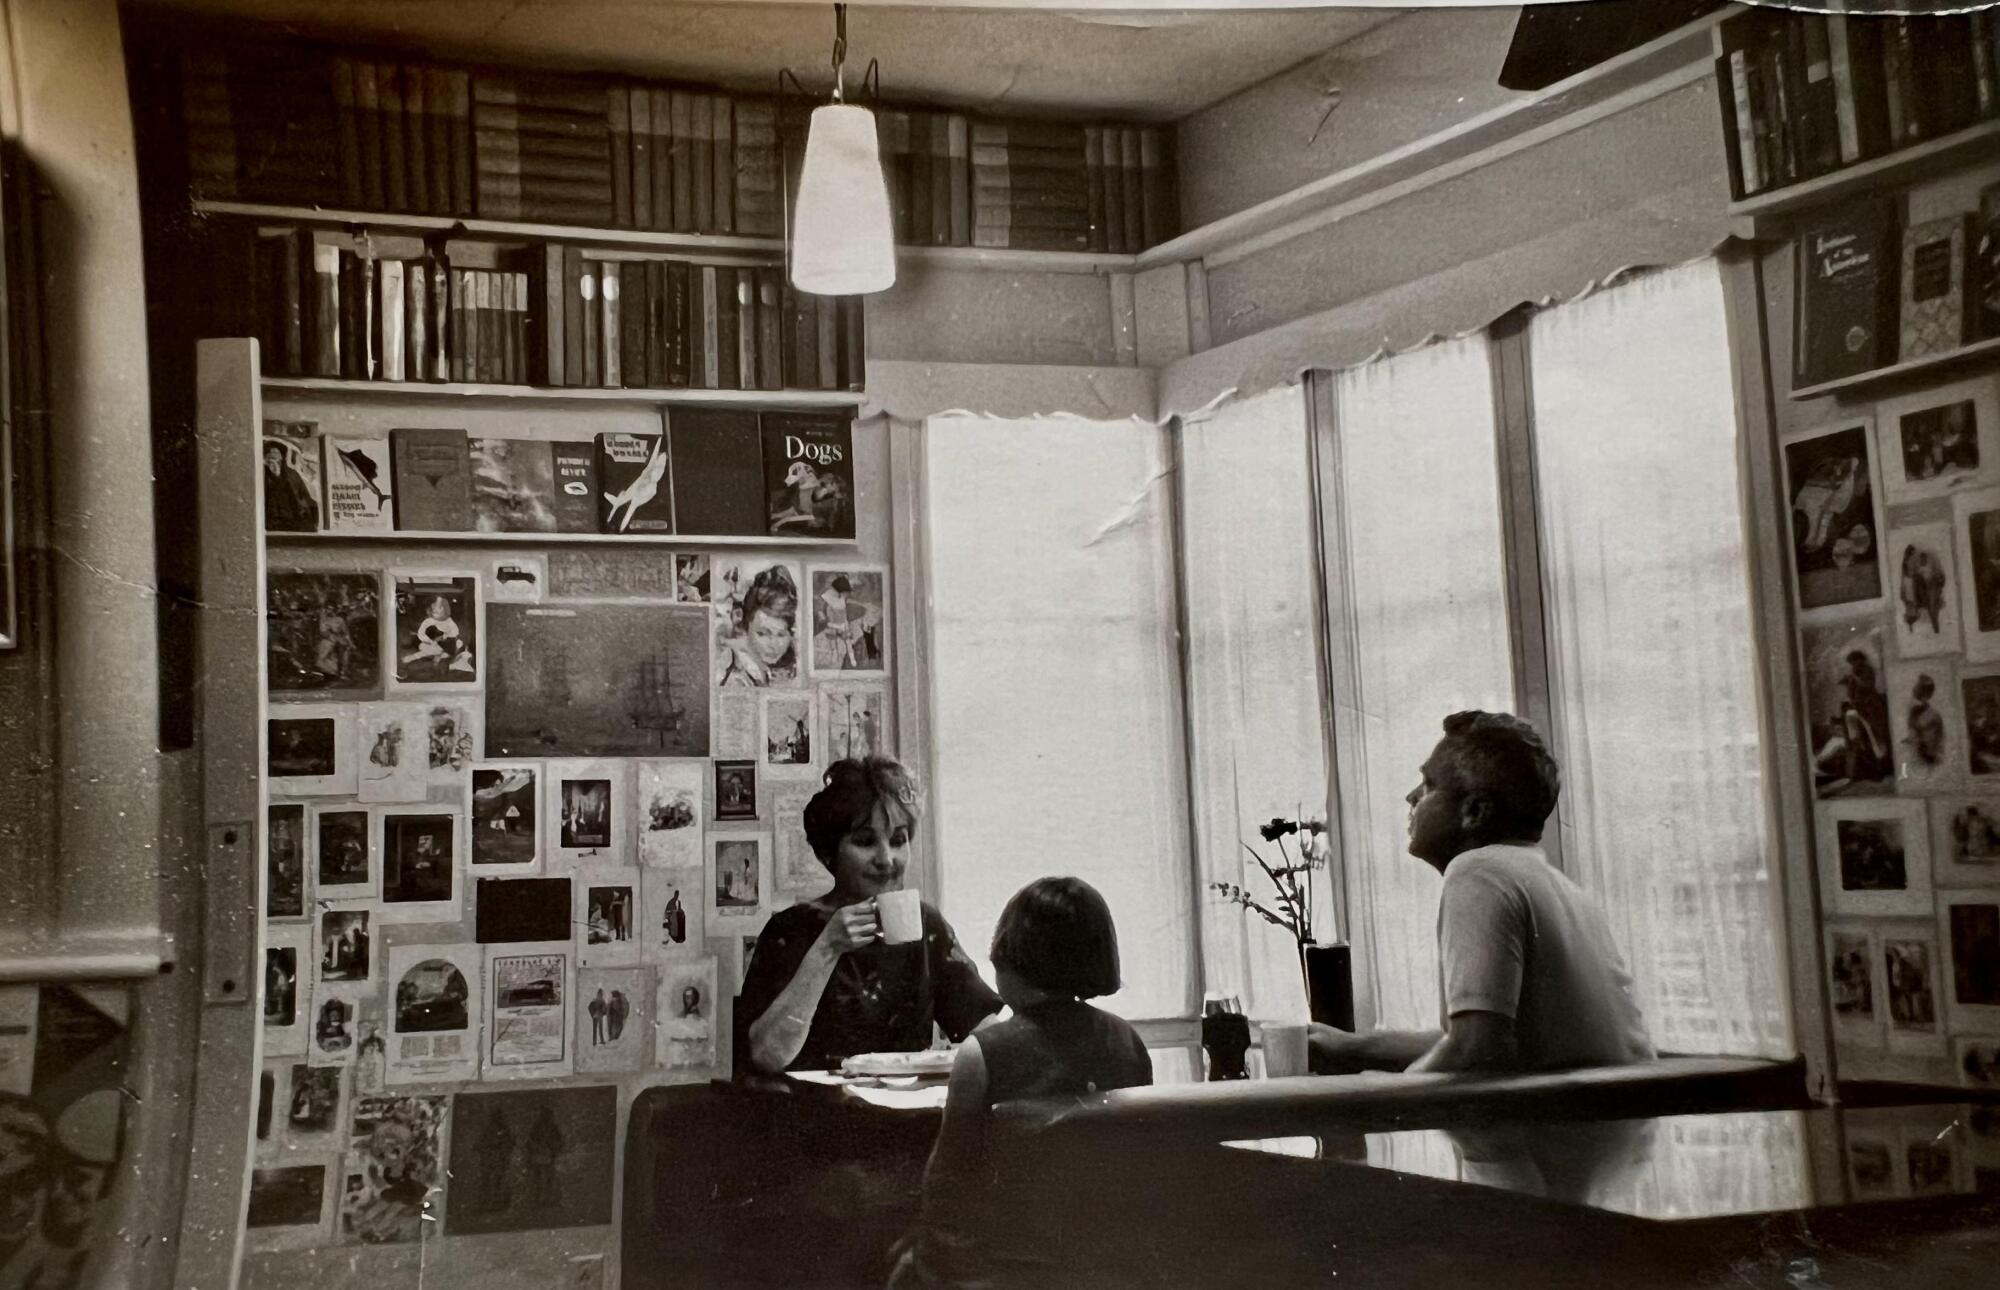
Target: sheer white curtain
[(1258, 745), (1055, 679), (1649, 610), (1417, 585)]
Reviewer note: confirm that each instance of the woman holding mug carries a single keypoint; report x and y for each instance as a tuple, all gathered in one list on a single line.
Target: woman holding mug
[(823, 983)]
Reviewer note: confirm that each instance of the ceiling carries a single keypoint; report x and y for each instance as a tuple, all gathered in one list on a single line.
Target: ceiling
[(1137, 64)]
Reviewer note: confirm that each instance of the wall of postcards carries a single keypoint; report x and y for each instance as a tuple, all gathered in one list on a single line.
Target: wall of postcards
[(1895, 528), (529, 807)]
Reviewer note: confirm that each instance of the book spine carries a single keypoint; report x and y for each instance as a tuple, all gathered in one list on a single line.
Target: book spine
[(293, 287), (674, 316), (707, 334), (1128, 171), (681, 148), (395, 172), (618, 111), (370, 325), (1899, 80), (746, 328), (347, 130), (770, 330), (461, 369), (653, 344), (573, 308), (853, 344), (442, 338), (632, 323), (459, 92), (802, 353), (941, 186), (1114, 195), (920, 178), (437, 147), (593, 325), (416, 138), (722, 165), (416, 319), (1745, 118), (1093, 173), (701, 146), (326, 309), (1985, 75), (1840, 62), (959, 159), (609, 283), (640, 111), (1156, 219), (550, 312), (663, 162), (368, 127), (724, 338), (394, 321), (827, 331)]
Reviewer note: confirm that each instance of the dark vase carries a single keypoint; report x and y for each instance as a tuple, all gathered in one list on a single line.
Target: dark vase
[(1330, 985)]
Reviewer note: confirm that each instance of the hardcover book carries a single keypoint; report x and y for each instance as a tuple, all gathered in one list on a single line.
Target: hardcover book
[(1843, 295), (291, 477), (433, 492), (575, 467), (808, 474), (1934, 295), (358, 474), (632, 484), (718, 477), (513, 486)]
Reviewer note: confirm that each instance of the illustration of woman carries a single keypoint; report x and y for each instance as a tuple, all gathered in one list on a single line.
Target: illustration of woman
[(846, 640), (760, 647)]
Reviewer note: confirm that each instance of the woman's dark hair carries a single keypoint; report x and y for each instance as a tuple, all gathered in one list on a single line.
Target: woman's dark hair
[(1057, 934), (1500, 755), (854, 785)]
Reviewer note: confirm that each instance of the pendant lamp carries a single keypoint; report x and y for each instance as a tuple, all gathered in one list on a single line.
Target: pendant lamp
[(843, 243)]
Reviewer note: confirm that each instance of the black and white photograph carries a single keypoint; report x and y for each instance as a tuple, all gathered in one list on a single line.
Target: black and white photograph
[(288, 1196), (1847, 706), (685, 1015), (787, 725), (1914, 1012), (1875, 857), (435, 1011), (614, 1020), (1939, 440), (285, 861), (609, 916), (323, 634), (420, 849), (393, 762), (537, 1159), (437, 630), (588, 815), (758, 622), (313, 1106), (456, 721), (1976, 530), (1835, 516), (1850, 958), (850, 629), (668, 800), (1969, 928), (735, 790), (309, 749), (285, 991), (396, 1169), (675, 911), (1927, 726), (514, 910), (736, 875), (1965, 841), (528, 1003), (597, 680), (335, 1035), (344, 942), (856, 720), (343, 843), (1979, 690), (504, 832), (691, 577), (291, 478), (1927, 596)]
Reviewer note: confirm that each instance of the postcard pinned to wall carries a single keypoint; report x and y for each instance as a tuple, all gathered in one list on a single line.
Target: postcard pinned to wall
[(1847, 708), (586, 811), (456, 740), (1969, 931), (422, 869), (797, 872), (598, 680), (505, 818), (1939, 441), (286, 853), (309, 749), (1852, 960), (1965, 841), (315, 1108), (738, 878), (285, 988), (856, 721), (516, 579), (735, 790), (323, 635), (686, 1015), (345, 858), (1979, 694), (291, 1205), (435, 1011), (608, 916), (614, 1020), (532, 1159), (1928, 726), (669, 813), (757, 622), (737, 717), (395, 1169), (335, 1038), (1836, 515), (692, 577), (850, 626), (528, 1002), (1875, 857), (787, 742), (673, 923), (394, 752), (1928, 591), (1913, 1003), (346, 948), (438, 633)]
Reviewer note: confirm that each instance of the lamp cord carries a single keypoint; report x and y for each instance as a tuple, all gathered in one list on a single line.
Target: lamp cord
[(839, 52)]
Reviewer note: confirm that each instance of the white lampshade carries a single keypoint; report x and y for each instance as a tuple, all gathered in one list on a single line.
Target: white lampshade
[(842, 241)]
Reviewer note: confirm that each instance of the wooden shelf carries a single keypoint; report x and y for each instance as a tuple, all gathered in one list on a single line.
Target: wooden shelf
[(1769, 213), (403, 537), (1913, 367), (441, 390)]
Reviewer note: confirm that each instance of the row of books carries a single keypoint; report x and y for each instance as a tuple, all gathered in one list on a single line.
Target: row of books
[(311, 128), (327, 303), (1804, 94), (713, 473), (955, 181), (1868, 294)]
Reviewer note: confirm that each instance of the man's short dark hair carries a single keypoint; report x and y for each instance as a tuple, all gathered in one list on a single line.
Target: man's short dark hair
[(1500, 755)]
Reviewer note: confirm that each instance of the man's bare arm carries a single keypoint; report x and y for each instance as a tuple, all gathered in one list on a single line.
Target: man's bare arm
[(1477, 1041)]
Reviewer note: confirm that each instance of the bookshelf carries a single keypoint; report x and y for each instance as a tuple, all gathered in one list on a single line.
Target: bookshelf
[(1768, 214), (1930, 365), (763, 400), (412, 537)]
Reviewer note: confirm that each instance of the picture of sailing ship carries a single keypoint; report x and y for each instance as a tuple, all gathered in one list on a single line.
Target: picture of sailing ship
[(597, 680)]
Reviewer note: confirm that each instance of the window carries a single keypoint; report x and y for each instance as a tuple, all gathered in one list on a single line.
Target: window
[(1058, 733)]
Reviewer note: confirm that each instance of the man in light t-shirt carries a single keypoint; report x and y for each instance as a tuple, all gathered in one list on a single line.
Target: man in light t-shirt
[(1531, 977)]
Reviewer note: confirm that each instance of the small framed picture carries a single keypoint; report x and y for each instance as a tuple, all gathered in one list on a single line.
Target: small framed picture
[(1939, 441), (393, 760), (735, 790), (685, 1023), (530, 996), (850, 626), (439, 630), (291, 1205), (334, 1039), (457, 722), (309, 749), (739, 877), (1847, 708), (346, 858), (285, 988), (856, 721), (1874, 856), (1851, 961), (673, 925), (1910, 976), (286, 859), (669, 813), (587, 811), (1969, 931), (346, 952), (787, 738), (1836, 515), (1927, 591), (608, 916), (1976, 530), (1927, 722), (691, 577), (505, 800), (323, 634), (421, 880)]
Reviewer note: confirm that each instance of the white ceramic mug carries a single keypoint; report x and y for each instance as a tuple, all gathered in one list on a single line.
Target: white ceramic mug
[(1284, 1051), (901, 914)]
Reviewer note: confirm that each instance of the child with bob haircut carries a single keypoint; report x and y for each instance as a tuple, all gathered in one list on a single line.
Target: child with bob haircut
[(1054, 947)]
